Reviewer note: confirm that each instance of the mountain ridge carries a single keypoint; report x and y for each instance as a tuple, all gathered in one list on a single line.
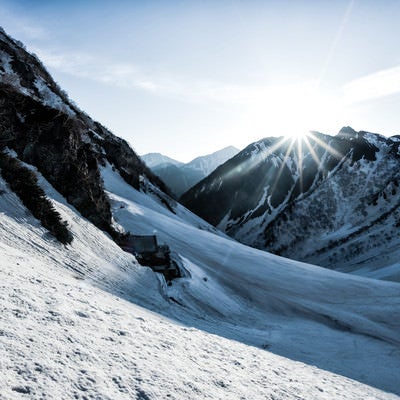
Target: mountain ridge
[(155, 159), (47, 130), (254, 196), (180, 177)]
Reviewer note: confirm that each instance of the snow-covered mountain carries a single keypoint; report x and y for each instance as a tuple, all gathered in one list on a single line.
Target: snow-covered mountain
[(153, 160), (207, 164), (180, 177), (85, 320), (331, 201)]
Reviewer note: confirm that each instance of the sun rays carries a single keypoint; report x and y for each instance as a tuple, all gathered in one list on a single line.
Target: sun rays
[(301, 148), (289, 154)]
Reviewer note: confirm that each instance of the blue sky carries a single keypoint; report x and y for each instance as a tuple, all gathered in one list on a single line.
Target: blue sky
[(186, 78)]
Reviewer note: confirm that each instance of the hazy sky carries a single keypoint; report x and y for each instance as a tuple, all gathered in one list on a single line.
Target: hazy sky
[(186, 78)]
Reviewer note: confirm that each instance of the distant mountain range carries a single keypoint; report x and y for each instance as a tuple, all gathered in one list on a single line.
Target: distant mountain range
[(154, 160), (180, 177), (329, 200)]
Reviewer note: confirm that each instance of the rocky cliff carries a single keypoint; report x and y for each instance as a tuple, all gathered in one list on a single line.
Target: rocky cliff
[(45, 128)]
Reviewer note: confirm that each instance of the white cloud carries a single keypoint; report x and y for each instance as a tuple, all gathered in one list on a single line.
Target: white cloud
[(373, 86), (84, 65), (130, 76), (281, 108)]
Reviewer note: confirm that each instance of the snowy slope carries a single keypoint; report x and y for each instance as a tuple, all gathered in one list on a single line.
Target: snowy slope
[(335, 321), (72, 325)]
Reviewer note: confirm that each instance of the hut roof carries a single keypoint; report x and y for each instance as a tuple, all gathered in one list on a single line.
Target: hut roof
[(142, 244)]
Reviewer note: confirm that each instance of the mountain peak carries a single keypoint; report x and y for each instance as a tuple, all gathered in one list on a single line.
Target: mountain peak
[(347, 131), (179, 176), (155, 159)]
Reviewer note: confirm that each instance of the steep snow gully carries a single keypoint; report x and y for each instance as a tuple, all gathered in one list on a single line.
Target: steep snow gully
[(86, 321)]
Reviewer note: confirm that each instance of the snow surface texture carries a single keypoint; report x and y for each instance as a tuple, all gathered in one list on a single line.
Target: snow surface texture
[(76, 322), (291, 308)]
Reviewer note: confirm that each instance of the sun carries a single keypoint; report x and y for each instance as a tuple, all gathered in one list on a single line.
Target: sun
[(300, 110), (295, 135), (292, 111)]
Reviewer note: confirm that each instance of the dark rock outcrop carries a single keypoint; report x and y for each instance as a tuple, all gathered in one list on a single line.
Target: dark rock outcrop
[(45, 129)]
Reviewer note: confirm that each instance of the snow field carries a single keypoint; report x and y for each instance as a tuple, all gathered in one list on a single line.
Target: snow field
[(80, 322), (63, 338)]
